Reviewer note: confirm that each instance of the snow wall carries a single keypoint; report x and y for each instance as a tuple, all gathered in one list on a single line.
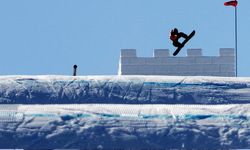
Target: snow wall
[(124, 112), (123, 90)]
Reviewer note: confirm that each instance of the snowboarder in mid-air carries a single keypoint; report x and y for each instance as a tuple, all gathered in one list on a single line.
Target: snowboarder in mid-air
[(175, 35)]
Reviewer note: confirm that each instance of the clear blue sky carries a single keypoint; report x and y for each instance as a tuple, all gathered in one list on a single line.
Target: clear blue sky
[(50, 36)]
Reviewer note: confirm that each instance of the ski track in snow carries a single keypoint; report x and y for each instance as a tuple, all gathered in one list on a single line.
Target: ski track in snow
[(101, 112)]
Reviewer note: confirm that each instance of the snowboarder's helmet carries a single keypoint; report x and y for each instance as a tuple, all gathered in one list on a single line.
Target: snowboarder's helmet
[(175, 30)]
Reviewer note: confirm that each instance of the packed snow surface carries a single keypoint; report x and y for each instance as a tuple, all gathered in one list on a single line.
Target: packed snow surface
[(123, 90), (97, 126), (140, 112)]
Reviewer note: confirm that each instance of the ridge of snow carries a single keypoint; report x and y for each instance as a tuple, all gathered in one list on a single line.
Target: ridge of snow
[(124, 90), (121, 126), (124, 112)]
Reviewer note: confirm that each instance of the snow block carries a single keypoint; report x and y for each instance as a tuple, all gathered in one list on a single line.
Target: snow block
[(153, 61), (170, 61), (203, 60), (212, 68), (144, 70), (227, 52), (128, 53), (125, 60), (226, 68), (194, 52), (187, 61), (195, 64), (161, 53), (138, 61)]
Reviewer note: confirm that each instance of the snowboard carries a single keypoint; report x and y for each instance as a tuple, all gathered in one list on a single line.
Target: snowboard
[(184, 42)]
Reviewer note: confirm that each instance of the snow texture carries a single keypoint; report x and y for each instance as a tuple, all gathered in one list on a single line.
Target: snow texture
[(97, 126), (140, 112), (123, 90)]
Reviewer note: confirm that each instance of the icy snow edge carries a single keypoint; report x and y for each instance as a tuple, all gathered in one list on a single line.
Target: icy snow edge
[(124, 90)]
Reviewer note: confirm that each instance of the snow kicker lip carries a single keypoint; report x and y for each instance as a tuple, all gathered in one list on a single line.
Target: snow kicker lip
[(165, 126), (117, 116), (15, 113), (123, 90)]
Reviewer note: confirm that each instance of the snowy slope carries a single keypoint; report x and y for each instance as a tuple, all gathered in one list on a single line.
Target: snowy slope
[(123, 90), (102, 112), (97, 126)]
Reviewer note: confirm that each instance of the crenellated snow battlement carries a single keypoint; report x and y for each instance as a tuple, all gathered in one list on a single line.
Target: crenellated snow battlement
[(194, 64)]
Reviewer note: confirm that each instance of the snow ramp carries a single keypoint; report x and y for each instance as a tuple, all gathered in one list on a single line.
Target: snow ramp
[(123, 90), (124, 112)]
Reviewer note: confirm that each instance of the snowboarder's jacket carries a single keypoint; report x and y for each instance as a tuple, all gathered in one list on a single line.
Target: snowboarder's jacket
[(174, 35)]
